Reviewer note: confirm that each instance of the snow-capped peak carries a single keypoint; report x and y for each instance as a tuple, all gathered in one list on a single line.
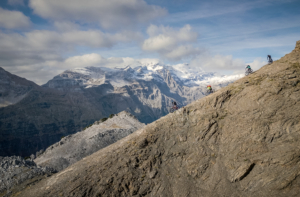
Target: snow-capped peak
[(147, 70)]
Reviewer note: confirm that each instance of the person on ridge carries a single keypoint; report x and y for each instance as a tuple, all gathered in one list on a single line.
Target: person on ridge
[(174, 105), (209, 89), (269, 58), (248, 70)]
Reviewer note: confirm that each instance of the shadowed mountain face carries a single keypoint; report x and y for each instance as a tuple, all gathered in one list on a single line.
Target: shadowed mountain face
[(243, 140), (13, 88), (42, 118), (38, 116)]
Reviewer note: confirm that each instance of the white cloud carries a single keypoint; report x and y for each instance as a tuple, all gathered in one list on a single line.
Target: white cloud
[(43, 45), (66, 26), (13, 19), (42, 72), (109, 14), (97, 60), (182, 51), (224, 64), (16, 2), (171, 43), (257, 63), (159, 43), (94, 60), (218, 63)]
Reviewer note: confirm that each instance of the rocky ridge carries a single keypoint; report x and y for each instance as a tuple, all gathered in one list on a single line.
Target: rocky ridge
[(243, 140), (73, 148), (15, 171)]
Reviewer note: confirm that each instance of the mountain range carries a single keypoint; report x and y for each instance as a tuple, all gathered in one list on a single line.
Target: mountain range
[(33, 117), (242, 140)]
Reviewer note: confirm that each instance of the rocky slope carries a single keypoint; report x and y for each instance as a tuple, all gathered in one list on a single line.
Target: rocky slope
[(15, 171), (73, 148), (243, 140)]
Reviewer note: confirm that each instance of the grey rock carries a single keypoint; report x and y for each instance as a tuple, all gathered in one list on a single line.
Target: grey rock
[(32, 156), (73, 148), (38, 153), (15, 171)]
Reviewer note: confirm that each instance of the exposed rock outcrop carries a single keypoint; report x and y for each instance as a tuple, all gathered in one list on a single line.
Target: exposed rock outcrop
[(73, 148), (15, 171), (242, 140)]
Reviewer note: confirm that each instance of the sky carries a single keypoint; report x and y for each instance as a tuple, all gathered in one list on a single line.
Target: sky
[(41, 38)]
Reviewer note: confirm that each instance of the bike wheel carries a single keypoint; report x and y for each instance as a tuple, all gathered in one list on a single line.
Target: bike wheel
[(208, 93), (172, 110)]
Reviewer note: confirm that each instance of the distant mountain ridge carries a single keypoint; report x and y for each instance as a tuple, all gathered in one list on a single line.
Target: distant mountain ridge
[(13, 88), (78, 97), (119, 77)]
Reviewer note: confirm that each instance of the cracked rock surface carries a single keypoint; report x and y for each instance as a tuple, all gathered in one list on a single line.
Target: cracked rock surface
[(242, 140)]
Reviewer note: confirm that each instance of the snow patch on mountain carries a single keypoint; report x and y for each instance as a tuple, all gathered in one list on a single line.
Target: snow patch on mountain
[(148, 70)]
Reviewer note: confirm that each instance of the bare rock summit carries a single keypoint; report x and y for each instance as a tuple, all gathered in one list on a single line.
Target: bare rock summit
[(242, 140)]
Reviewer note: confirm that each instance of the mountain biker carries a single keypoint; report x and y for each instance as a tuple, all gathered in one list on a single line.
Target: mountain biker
[(209, 89), (269, 58), (247, 68), (174, 105)]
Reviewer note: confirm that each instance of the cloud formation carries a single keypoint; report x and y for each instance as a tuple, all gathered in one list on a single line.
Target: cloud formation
[(43, 45), (218, 63), (42, 72), (170, 43), (108, 14), (13, 19), (16, 2)]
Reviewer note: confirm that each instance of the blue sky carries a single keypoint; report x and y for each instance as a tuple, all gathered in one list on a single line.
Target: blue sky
[(40, 38)]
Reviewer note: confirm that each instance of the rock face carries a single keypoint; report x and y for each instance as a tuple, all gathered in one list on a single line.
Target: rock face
[(242, 140), (73, 148), (15, 171)]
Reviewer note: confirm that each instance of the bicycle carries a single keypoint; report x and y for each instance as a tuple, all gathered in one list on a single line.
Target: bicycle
[(248, 71), (173, 108), (270, 61), (208, 92)]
